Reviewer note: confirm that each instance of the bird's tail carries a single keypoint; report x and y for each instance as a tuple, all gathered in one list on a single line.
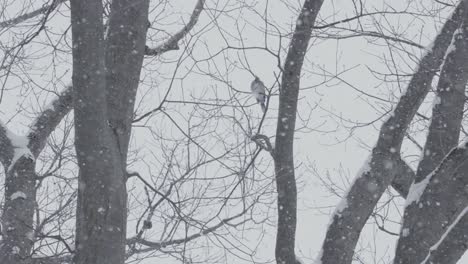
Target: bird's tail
[(262, 104)]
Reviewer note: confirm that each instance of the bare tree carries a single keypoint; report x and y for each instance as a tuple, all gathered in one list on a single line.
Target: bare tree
[(420, 230)]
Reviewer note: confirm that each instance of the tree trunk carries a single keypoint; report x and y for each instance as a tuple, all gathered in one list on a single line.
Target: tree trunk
[(284, 154), (101, 208), (379, 171), (426, 219), (18, 211)]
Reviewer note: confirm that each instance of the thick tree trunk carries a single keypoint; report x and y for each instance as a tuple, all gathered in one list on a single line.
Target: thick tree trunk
[(356, 207), (284, 155), (427, 217), (101, 212), (18, 211), (18, 155), (125, 48)]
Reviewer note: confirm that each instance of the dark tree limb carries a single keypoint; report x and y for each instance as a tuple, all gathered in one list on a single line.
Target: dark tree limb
[(48, 120), (444, 190), (27, 16), (348, 221), (173, 42), (283, 154), (404, 177), (18, 154), (452, 244)]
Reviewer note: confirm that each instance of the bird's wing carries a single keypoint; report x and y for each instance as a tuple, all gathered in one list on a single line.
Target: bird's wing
[(257, 87)]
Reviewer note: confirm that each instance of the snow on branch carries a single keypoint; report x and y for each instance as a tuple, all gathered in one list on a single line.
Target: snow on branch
[(343, 233), (446, 240), (173, 42), (13, 147)]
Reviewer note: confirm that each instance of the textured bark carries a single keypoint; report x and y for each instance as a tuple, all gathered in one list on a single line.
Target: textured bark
[(18, 212), (284, 160), (452, 245), (356, 207), (404, 176), (20, 182), (445, 195), (101, 208), (173, 42), (104, 105), (124, 57)]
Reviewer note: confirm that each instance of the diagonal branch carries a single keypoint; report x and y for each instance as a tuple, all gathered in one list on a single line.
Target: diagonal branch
[(48, 120), (158, 245), (173, 42), (439, 196), (378, 172), (24, 17)]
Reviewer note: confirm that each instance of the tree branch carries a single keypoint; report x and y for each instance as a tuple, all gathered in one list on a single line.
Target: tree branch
[(379, 171), (24, 17), (173, 42), (404, 177), (48, 120), (444, 196)]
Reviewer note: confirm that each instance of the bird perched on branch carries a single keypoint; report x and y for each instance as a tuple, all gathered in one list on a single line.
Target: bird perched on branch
[(259, 92)]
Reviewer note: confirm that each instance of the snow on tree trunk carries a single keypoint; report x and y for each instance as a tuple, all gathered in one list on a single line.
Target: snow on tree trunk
[(442, 196), (345, 227)]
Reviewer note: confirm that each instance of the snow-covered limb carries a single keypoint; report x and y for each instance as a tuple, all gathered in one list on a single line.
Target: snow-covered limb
[(20, 182), (13, 147), (452, 243), (344, 231), (439, 189), (173, 42)]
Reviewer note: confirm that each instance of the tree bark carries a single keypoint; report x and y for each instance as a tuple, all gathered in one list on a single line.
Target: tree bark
[(284, 159), (20, 183), (356, 207), (101, 208), (125, 50), (425, 219)]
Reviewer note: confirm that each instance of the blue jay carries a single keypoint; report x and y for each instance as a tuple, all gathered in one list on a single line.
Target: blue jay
[(259, 92)]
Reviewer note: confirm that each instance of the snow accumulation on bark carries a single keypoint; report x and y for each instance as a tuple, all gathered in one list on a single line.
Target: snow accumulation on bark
[(442, 238), (416, 190), (20, 147), (344, 201)]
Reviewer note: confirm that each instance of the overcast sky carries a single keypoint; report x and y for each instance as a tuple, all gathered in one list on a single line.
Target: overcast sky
[(329, 146)]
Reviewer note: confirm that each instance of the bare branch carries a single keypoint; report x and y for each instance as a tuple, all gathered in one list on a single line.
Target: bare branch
[(378, 172), (158, 245), (438, 203), (263, 142), (24, 17), (173, 42)]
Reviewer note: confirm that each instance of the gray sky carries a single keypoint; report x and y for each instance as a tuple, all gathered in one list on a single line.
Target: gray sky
[(329, 146)]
